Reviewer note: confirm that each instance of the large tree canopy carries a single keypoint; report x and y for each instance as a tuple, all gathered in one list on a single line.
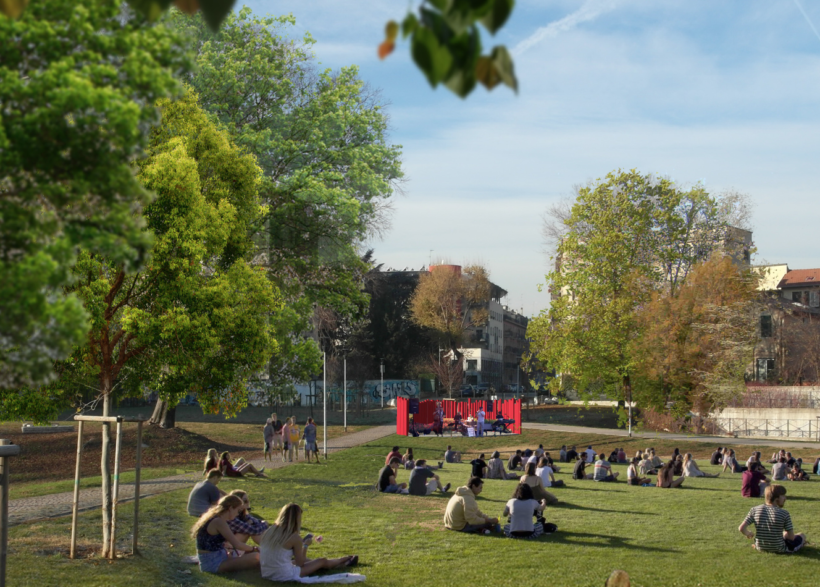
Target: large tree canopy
[(623, 237), (78, 84), (328, 168)]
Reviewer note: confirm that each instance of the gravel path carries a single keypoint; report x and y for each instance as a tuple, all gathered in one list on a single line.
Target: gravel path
[(59, 504)]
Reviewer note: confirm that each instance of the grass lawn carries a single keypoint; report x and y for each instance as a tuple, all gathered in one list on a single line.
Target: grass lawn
[(684, 537)]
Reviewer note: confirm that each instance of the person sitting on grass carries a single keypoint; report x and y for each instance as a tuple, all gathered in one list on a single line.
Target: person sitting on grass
[(780, 470), (613, 456), (621, 456), (639, 455), (797, 473), (418, 480), (239, 468), (211, 461), (816, 467), (717, 457), (311, 447), (536, 484), (730, 462), (283, 551), (754, 462), (205, 494), (691, 469), (753, 482), (387, 478), (773, 524), (579, 472), (244, 525), (495, 468), (562, 454), (516, 461), (479, 467), (603, 470), (666, 478), (545, 471), (572, 454), (677, 465), (632, 476), (521, 509), (393, 454), (462, 513), (408, 460), (451, 456), (656, 460), (589, 455), (645, 466), (211, 532), (790, 459), (551, 463)]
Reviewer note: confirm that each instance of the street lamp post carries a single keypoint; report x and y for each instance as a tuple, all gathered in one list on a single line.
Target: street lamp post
[(324, 402), (344, 393), (381, 368)]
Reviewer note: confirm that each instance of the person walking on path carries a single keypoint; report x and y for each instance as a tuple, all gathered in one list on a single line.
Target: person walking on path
[(267, 434), (277, 433)]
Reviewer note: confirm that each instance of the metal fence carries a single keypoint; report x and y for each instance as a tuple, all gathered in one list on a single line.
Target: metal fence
[(776, 398), (759, 427)]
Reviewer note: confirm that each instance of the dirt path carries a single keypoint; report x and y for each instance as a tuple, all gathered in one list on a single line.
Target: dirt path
[(59, 504)]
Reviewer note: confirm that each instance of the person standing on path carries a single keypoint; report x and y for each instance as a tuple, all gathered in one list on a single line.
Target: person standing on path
[(277, 433), (267, 433), (310, 441), (285, 440), (293, 440)]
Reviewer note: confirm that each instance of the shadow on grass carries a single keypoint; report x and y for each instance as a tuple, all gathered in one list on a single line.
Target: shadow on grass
[(574, 506), (572, 539)]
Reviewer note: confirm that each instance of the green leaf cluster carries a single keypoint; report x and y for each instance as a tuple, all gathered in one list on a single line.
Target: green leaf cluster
[(78, 83), (446, 43)]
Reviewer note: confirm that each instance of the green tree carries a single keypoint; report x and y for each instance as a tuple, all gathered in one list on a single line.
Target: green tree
[(78, 83), (199, 318), (623, 237), (328, 167)]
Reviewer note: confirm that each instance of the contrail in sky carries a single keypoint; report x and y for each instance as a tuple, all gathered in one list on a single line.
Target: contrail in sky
[(806, 16), (589, 11)]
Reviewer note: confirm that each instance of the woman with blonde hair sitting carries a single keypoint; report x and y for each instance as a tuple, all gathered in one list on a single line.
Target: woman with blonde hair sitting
[(239, 468), (211, 461), (283, 552), (536, 484), (691, 469), (211, 532)]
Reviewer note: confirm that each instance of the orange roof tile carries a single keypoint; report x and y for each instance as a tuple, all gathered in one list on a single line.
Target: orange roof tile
[(800, 277)]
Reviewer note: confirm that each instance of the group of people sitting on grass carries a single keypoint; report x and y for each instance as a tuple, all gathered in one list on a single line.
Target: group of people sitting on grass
[(229, 468), (286, 437), (784, 465)]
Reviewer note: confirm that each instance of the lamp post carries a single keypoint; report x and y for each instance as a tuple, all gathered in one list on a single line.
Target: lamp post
[(324, 402), (344, 393), (381, 368)]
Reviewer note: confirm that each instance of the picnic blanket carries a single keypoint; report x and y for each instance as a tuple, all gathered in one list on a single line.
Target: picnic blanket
[(336, 578)]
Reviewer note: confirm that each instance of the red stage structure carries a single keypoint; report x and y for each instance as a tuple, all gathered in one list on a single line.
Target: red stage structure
[(509, 409)]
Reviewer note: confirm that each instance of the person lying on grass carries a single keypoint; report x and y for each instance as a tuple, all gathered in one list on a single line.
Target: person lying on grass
[(205, 494), (283, 551), (536, 484), (211, 532), (773, 524), (544, 471), (691, 469), (418, 480), (239, 468), (632, 476), (730, 462), (666, 478), (495, 468), (521, 509), (603, 470), (462, 513), (387, 478), (244, 525), (579, 472)]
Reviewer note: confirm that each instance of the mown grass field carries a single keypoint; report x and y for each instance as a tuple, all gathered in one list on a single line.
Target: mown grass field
[(685, 537)]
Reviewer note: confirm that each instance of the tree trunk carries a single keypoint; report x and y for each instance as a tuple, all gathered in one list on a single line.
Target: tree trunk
[(163, 416), (628, 397), (105, 470)]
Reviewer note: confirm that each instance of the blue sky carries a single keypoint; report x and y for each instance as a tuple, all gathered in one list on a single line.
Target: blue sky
[(727, 93)]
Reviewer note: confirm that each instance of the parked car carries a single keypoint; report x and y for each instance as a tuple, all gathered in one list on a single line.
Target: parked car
[(482, 389), (467, 391)]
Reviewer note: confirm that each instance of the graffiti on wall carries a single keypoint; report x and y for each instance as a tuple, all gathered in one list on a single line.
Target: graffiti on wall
[(393, 388)]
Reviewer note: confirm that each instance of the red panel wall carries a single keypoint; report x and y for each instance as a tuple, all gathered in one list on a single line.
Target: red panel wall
[(510, 409)]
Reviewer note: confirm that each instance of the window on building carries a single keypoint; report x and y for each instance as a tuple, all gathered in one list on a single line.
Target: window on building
[(472, 364), (746, 257), (765, 326), (797, 296), (765, 369), (814, 299)]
